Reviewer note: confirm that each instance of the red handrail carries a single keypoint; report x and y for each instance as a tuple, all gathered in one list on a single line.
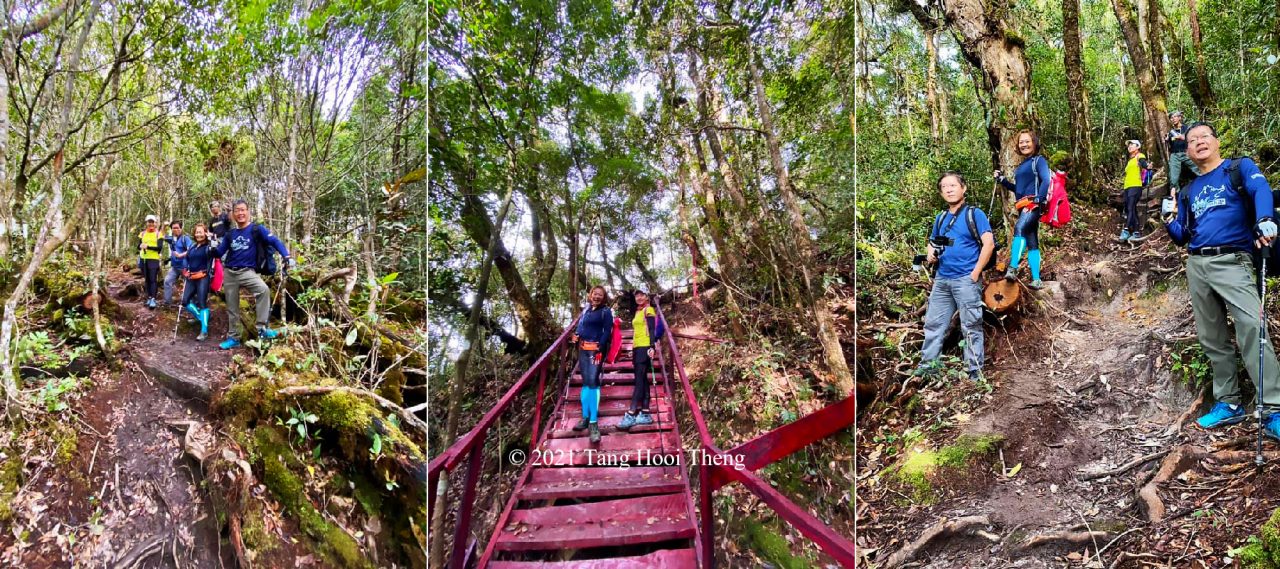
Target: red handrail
[(835, 545)]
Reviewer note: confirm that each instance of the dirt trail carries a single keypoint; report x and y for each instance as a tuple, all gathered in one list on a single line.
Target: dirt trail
[(130, 494), (1081, 386)]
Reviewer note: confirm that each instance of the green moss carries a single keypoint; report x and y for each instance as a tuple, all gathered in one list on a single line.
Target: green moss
[(1263, 550), (66, 440), (917, 471), (773, 547), (289, 489), (10, 482), (254, 532)]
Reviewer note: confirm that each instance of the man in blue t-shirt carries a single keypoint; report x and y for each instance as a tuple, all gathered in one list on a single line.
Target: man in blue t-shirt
[(239, 251), (961, 251), (179, 244), (1220, 231)]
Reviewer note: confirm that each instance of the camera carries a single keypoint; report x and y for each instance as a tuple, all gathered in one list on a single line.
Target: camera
[(917, 262), (941, 241), (1167, 206)]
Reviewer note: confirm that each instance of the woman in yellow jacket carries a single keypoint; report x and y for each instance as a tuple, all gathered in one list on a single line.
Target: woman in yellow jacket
[(1135, 181), (149, 243)]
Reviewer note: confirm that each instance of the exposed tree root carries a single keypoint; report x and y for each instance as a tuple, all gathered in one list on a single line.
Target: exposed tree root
[(1176, 427), (941, 529), (1067, 537), (1178, 460), (1125, 467)]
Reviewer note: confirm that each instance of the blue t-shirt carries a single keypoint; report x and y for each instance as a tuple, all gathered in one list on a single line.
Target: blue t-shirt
[(1025, 176), (596, 325), (1219, 212), (237, 247), (958, 259), (178, 245), (200, 258)]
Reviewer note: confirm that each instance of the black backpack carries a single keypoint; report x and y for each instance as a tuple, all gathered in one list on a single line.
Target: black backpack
[(972, 220), (1237, 184), (266, 255)]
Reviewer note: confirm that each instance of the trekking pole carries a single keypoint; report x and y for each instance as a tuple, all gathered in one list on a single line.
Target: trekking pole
[(1262, 338), (177, 318)]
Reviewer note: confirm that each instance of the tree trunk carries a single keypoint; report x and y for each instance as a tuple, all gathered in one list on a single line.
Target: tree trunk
[(828, 335), (1154, 94), (999, 54), (1077, 103), (1203, 93), (933, 98)]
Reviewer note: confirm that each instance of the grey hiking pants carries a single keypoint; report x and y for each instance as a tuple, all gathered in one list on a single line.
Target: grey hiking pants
[(1225, 284), (948, 296), (1179, 164), (232, 280)]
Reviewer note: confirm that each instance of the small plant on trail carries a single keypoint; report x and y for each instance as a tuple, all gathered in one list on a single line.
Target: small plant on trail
[(298, 423), (1192, 365), (53, 390)]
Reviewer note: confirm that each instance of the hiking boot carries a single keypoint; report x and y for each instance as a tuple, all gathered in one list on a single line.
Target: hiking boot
[(975, 375), (628, 421), (644, 419), (1271, 426), (594, 433), (1223, 414), (151, 303), (229, 343), (267, 333), (1037, 284), (1125, 235), (204, 325), (1011, 274), (581, 425)]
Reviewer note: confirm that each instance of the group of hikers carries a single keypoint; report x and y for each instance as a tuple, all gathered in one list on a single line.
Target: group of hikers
[(225, 254), (1224, 216), (595, 339)]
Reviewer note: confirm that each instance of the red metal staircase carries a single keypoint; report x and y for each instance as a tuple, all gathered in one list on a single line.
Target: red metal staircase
[(573, 506)]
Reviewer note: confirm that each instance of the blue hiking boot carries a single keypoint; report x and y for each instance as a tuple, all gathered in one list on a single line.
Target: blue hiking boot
[(644, 419), (204, 324), (1223, 414), (1271, 426), (151, 303), (628, 421), (1037, 284), (1125, 235), (267, 333), (229, 343)]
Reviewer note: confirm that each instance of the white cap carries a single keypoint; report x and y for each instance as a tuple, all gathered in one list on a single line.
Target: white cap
[(151, 218), (1137, 143)]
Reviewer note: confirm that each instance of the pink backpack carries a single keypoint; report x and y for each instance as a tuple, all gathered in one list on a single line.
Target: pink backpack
[(1058, 210)]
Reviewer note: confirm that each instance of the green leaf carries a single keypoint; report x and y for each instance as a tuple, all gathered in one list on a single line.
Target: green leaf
[(311, 418), (377, 445), (389, 278), (302, 430)]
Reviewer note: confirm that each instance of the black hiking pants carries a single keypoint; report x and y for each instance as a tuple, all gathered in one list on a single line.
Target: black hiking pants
[(643, 364), (151, 275), (1131, 198), (197, 291)]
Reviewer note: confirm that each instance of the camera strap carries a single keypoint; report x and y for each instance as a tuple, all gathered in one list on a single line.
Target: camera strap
[(938, 222)]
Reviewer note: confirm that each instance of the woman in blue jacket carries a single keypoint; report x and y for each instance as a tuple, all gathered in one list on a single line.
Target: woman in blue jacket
[(595, 330), (198, 273), (1030, 187)]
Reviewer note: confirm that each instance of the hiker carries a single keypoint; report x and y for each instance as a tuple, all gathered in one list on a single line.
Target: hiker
[(149, 242), (1135, 182), (592, 338), (1179, 163), (646, 332), (198, 272), (219, 223), (1030, 186), (239, 249), (961, 243), (179, 244), (1220, 229)]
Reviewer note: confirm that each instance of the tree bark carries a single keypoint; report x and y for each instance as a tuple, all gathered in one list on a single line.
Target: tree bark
[(1077, 102), (931, 87), (1203, 93), (828, 335), (992, 48), (1151, 88)]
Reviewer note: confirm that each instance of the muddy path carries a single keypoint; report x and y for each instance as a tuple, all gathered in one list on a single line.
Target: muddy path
[(1084, 411), (129, 497)]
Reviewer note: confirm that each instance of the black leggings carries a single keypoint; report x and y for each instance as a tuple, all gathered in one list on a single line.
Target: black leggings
[(643, 364), (1028, 227), (197, 290), (1131, 198), (151, 274)]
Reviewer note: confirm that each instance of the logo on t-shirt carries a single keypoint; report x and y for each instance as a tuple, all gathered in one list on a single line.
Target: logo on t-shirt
[(240, 243), (1208, 198)]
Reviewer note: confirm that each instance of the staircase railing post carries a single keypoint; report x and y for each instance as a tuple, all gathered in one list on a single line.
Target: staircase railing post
[(463, 529), (537, 407), (708, 517)]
